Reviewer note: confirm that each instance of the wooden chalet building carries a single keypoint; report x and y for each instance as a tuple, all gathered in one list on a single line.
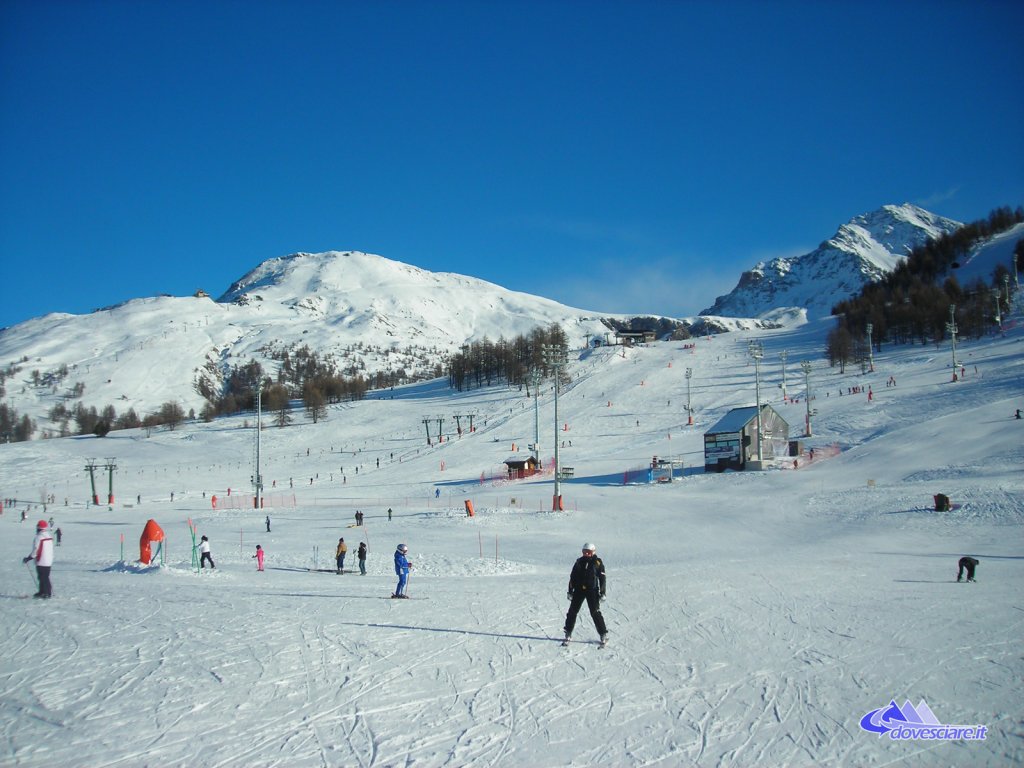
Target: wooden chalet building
[(522, 468)]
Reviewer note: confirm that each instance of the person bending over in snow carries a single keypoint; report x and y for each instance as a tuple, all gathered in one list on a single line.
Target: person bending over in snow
[(968, 564), (587, 582)]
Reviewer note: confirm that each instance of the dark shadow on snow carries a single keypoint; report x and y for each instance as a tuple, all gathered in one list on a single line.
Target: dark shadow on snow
[(331, 595), (952, 554), (467, 632)]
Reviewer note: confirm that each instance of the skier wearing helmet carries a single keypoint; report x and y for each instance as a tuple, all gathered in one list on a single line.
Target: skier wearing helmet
[(42, 553), (586, 582), (402, 566)]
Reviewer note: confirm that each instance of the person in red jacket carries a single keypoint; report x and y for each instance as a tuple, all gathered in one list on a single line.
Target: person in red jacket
[(42, 553)]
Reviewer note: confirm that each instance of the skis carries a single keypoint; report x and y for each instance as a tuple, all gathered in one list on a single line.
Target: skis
[(602, 643)]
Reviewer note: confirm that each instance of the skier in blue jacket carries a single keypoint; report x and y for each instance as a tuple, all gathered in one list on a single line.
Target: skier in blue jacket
[(402, 566)]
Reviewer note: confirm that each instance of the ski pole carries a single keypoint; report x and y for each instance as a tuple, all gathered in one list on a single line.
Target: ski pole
[(32, 576), (408, 581)]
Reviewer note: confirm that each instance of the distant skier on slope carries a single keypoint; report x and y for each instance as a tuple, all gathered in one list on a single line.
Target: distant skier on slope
[(339, 555), (42, 553), (402, 567), (586, 582), (362, 557), (204, 553)]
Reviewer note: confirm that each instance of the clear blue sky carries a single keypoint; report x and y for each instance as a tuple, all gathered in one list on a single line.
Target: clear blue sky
[(615, 156)]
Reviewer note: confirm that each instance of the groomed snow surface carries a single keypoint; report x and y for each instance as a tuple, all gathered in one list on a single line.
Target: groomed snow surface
[(754, 618)]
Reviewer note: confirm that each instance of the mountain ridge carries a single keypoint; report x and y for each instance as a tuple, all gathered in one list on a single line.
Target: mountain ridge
[(861, 251), (364, 312)]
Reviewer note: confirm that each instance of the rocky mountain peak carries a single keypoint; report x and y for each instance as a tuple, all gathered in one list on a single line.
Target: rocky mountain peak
[(861, 251)]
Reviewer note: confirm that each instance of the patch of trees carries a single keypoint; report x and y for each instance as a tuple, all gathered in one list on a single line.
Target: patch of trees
[(14, 428), (9, 373), (912, 303), (89, 421), (302, 374), (510, 362)]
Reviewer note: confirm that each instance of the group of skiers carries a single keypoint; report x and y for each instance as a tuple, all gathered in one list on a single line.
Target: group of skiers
[(587, 580), (206, 556), (342, 550)]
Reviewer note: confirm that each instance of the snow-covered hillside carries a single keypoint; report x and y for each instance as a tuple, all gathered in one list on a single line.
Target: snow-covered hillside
[(862, 251), (370, 314), (755, 618), (366, 312), (387, 303)]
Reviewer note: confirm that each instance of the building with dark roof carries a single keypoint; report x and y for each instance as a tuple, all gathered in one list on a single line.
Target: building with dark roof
[(732, 442)]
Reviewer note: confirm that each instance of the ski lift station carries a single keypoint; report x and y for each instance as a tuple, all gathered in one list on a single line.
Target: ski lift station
[(732, 442)]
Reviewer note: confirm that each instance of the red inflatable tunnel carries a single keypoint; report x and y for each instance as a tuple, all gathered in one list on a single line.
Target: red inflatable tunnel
[(152, 532)]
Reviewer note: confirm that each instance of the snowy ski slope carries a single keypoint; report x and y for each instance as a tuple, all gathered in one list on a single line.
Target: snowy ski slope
[(755, 618)]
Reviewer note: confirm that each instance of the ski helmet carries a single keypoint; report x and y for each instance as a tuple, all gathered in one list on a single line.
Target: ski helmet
[(41, 525), (402, 548), (588, 547)]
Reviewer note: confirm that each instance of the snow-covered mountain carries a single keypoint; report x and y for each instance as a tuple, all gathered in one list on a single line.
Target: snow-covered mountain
[(861, 251), (364, 311), (371, 314), (378, 301)]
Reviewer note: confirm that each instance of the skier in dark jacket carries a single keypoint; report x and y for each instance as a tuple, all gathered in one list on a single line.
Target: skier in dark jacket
[(968, 564), (587, 582), (362, 557)]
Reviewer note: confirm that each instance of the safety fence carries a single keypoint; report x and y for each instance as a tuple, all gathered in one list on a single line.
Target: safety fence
[(248, 501)]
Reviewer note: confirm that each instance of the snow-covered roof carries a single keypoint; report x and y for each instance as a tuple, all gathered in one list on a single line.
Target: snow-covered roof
[(735, 420), (519, 459)]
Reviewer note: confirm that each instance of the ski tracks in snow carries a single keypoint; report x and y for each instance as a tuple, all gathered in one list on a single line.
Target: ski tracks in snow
[(752, 666)]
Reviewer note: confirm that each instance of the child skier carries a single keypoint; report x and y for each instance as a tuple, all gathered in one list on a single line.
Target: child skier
[(204, 553), (259, 557), (402, 566)]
